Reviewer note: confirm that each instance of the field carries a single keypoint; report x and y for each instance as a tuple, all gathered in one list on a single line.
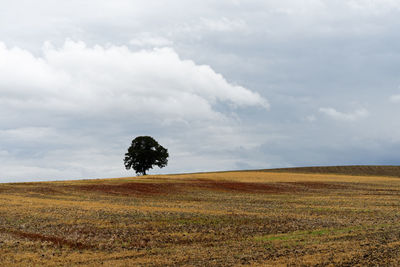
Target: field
[(261, 218)]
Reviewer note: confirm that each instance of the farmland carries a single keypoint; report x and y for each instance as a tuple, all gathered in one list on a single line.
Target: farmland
[(261, 218)]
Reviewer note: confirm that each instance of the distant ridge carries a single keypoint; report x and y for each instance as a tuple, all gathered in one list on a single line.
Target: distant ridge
[(369, 170)]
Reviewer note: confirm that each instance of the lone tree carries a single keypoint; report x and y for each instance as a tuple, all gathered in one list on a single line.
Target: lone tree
[(144, 153)]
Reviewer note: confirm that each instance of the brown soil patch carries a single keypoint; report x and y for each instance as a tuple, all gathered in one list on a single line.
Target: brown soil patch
[(226, 219), (241, 187), (170, 188), (39, 189), (363, 170), (150, 189), (317, 185), (53, 239), (132, 188)]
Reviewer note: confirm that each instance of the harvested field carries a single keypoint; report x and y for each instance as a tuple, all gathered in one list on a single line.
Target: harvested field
[(206, 219), (390, 171)]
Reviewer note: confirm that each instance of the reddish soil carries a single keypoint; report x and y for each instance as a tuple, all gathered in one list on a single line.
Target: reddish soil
[(318, 185), (132, 188), (151, 189), (58, 241)]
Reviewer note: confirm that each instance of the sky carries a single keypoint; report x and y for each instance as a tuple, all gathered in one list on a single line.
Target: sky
[(223, 85)]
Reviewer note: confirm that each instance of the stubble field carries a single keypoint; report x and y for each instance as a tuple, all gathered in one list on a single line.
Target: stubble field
[(210, 219)]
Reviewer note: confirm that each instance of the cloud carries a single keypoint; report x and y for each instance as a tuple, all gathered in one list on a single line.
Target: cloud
[(395, 98), (374, 7), (310, 118), (147, 39), (351, 116), (76, 107), (77, 78), (222, 24), (196, 81)]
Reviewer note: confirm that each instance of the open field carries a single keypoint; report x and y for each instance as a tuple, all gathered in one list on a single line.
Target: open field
[(371, 170), (215, 219)]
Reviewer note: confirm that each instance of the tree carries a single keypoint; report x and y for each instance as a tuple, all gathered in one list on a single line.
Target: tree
[(144, 153)]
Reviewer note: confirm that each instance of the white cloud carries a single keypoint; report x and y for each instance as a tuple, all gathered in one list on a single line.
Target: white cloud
[(374, 7), (77, 78), (27, 133), (59, 103), (310, 118), (204, 25), (76, 107), (350, 116), (223, 24), (147, 39), (395, 98)]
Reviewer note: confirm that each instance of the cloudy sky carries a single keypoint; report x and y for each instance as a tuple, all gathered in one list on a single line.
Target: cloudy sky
[(227, 84)]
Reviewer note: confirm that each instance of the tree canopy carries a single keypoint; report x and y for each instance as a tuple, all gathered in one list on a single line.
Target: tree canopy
[(144, 153)]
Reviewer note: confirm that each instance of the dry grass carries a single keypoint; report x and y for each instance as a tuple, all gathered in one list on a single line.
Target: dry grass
[(363, 170), (216, 219)]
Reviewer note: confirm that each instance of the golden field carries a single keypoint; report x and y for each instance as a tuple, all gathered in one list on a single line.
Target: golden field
[(207, 219)]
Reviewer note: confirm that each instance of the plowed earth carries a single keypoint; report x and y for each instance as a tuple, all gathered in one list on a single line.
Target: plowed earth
[(215, 219)]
